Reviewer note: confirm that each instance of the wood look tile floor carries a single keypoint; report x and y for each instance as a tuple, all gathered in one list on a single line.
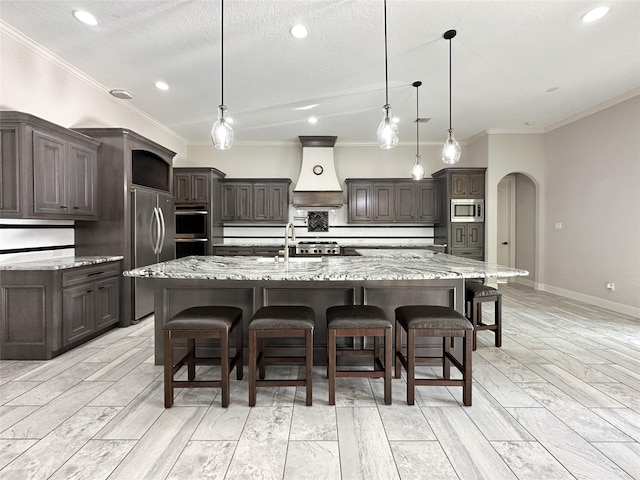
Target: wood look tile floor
[(559, 400)]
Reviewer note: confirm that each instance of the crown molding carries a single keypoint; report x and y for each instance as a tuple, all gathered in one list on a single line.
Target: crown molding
[(595, 109), (68, 68)]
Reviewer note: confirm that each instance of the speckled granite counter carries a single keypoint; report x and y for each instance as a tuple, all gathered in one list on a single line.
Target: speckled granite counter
[(61, 263), (387, 278), (374, 264)]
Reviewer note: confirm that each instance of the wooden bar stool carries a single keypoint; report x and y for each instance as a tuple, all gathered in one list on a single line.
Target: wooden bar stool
[(359, 321), (280, 321), (433, 321), (476, 294), (196, 323)]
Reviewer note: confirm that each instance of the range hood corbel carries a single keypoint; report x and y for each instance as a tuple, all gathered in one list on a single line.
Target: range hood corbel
[(318, 185)]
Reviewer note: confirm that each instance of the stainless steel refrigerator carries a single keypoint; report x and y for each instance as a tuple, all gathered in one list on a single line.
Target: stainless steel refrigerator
[(153, 241)]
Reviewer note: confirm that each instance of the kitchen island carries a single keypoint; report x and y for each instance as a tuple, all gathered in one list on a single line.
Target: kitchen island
[(387, 278)]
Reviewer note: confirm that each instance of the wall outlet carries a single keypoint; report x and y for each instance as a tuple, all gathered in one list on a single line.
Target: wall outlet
[(611, 286), (558, 225)]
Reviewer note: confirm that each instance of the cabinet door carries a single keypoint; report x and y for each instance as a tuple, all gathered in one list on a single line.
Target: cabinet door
[(360, 195), (107, 301), (459, 185), (278, 202), (475, 235), (10, 181), (200, 188), (228, 204), (261, 210), (49, 175), (81, 168), (405, 202), (475, 187), (428, 203), (458, 235), (78, 312), (383, 202), (182, 187), (244, 202)]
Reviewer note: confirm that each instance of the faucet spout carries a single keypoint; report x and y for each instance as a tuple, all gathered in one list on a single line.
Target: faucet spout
[(288, 228)]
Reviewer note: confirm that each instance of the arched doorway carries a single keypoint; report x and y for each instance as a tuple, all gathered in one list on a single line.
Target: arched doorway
[(517, 225)]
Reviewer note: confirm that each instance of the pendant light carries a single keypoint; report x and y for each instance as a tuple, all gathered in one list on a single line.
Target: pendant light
[(417, 172), (387, 130), (221, 132), (451, 150)]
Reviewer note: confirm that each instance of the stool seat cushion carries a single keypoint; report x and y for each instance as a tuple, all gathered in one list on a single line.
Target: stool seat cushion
[(479, 290), (357, 316), (277, 317), (431, 317), (205, 318)]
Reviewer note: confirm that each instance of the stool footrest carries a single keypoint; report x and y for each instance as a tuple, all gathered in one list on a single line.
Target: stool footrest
[(360, 373), (197, 383), (278, 382)]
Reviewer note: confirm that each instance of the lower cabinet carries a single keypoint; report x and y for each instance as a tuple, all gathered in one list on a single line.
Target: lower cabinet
[(261, 251), (467, 240), (46, 312)]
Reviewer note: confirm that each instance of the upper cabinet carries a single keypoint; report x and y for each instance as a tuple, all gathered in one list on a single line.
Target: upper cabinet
[(191, 186), (255, 200), (467, 185), (392, 201), (47, 171)]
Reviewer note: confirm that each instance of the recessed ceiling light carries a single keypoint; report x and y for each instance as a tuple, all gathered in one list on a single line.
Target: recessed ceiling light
[(395, 120), (160, 85), (121, 93), (552, 89), (307, 107), (312, 120), (229, 119), (530, 123), (299, 31), (595, 14), (85, 17)]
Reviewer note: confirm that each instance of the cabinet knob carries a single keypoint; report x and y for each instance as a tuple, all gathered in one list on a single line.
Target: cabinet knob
[(63, 206), (505, 243)]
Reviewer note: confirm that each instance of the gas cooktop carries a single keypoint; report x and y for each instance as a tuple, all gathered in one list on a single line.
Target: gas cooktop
[(318, 248)]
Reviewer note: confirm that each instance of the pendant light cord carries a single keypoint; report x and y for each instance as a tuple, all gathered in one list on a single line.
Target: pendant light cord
[(222, 52), (417, 125), (386, 69), (449, 84)]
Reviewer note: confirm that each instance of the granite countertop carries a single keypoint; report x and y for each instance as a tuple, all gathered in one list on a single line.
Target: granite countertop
[(424, 265), (60, 263)]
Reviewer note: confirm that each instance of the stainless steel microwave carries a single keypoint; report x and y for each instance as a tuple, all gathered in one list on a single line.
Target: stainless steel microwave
[(467, 210)]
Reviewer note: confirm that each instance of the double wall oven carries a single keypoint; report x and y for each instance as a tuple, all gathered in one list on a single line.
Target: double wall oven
[(192, 230)]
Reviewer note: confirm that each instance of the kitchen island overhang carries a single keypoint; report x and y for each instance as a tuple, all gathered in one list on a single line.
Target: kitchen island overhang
[(387, 279)]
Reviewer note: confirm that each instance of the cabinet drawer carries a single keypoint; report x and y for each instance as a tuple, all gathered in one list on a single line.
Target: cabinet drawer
[(233, 251), (77, 276)]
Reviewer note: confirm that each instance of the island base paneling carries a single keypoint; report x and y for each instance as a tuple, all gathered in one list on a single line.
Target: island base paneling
[(175, 295)]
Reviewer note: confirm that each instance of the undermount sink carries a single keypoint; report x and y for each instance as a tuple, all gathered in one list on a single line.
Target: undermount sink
[(291, 259)]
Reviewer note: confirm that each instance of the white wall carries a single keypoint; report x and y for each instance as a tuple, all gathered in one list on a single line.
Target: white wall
[(592, 185), (35, 81), (526, 228)]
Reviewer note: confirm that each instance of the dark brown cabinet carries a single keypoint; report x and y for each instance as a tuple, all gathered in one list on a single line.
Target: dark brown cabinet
[(255, 200), (47, 171), (462, 239), (135, 212), (50, 311), (392, 201), (467, 185), (198, 210), (191, 187)]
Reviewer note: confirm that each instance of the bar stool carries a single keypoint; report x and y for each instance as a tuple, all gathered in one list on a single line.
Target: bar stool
[(196, 323), (359, 321), (280, 321), (476, 294), (433, 321)]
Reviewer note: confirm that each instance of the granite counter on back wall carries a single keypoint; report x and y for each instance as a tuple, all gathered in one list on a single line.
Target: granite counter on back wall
[(59, 263)]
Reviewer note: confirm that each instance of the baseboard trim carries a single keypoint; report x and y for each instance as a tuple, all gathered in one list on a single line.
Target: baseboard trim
[(591, 300)]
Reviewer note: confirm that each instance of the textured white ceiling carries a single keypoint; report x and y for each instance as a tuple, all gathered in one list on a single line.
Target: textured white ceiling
[(505, 56)]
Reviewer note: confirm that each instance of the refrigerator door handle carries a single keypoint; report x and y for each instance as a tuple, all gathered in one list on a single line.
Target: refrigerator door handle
[(155, 242), (163, 230)]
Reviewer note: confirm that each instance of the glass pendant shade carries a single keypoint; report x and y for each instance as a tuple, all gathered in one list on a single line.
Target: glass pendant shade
[(221, 132), (417, 172), (451, 150), (387, 131)]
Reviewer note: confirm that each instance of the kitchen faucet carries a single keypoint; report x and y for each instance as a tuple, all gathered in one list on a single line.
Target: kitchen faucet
[(286, 239)]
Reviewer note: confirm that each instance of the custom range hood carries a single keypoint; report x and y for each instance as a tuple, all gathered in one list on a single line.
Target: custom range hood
[(318, 185)]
